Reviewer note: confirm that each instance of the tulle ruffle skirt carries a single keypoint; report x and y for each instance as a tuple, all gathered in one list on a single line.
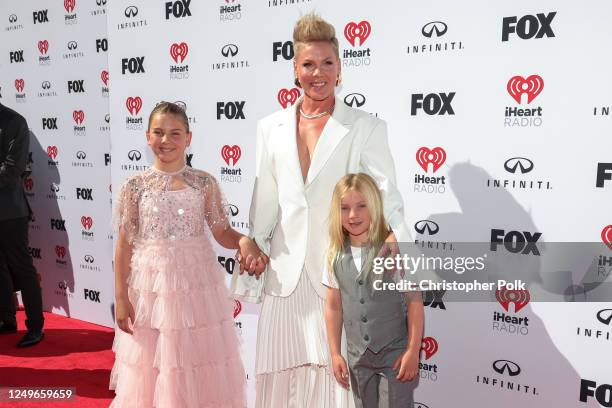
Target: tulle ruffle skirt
[(184, 351)]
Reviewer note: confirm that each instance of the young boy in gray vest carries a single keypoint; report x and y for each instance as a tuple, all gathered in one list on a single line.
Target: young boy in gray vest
[(384, 329)]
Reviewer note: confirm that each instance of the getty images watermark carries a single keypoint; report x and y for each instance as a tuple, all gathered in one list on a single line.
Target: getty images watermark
[(404, 264)]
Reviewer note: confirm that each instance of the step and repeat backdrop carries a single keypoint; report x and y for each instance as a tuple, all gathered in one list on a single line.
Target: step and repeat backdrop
[(499, 122)]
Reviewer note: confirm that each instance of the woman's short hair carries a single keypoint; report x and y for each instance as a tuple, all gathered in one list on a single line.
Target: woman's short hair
[(312, 27)]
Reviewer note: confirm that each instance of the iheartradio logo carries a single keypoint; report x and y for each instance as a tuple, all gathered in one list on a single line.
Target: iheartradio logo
[(104, 77), (28, 184), (606, 235), (361, 31), (179, 52), (288, 97), (43, 46), (78, 116), (133, 105), (19, 85), (237, 308), (532, 86), (435, 156), (52, 152), (69, 5), (520, 298), (60, 251), (430, 346), (86, 222), (231, 153)]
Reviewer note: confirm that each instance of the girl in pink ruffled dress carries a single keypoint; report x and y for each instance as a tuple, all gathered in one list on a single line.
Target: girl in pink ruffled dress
[(176, 345)]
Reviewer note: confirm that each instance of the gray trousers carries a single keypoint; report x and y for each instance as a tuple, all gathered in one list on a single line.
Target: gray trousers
[(366, 370)]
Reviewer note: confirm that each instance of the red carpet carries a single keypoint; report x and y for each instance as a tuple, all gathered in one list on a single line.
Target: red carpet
[(73, 354)]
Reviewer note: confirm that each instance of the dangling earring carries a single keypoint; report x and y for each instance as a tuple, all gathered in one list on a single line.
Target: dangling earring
[(339, 80), (297, 82)]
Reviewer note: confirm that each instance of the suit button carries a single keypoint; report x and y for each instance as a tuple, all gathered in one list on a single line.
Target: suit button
[(366, 337), (362, 301), (360, 281), (364, 319)]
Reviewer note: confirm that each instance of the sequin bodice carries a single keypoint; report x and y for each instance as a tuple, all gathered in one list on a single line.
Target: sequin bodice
[(148, 207)]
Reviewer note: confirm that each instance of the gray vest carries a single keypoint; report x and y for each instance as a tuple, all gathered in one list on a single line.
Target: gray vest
[(372, 319)]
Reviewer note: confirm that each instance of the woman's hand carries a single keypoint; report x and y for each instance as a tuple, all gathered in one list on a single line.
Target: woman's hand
[(341, 371), (124, 314), (408, 364), (250, 257)]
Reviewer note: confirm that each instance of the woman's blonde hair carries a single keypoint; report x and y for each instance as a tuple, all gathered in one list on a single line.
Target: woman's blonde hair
[(312, 27), (379, 229)]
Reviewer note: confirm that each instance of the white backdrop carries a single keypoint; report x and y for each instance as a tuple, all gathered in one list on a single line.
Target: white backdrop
[(216, 55)]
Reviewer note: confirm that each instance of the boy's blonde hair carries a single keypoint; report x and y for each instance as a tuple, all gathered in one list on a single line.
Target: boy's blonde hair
[(312, 27), (379, 229)]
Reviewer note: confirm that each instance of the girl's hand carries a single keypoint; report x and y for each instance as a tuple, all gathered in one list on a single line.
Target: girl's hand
[(408, 364), (124, 314), (341, 371)]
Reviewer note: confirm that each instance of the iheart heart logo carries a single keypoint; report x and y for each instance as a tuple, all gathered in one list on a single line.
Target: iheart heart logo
[(78, 116), (60, 251), (606, 235), (435, 156), (179, 51), (287, 97), (43, 46), (231, 153), (87, 222), (532, 86), (133, 105), (430, 346), (104, 77), (237, 308), (19, 84), (361, 31)]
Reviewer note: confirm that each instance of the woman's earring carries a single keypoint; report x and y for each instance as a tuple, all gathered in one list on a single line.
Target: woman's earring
[(339, 80), (297, 82)]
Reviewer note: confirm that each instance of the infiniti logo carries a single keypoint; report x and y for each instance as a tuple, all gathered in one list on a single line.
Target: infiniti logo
[(81, 155), (101, 2), (107, 118), (229, 50), (46, 85), (605, 316), (523, 164), (88, 258), (437, 27), (134, 155), (506, 366), (72, 45), (13, 18), (232, 210), (354, 100), (431, 227), (55, 187), (131, 11)]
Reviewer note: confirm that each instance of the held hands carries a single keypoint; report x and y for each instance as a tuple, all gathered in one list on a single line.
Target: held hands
[(408, 364), (124, 314), (251, 258), (341, 371)]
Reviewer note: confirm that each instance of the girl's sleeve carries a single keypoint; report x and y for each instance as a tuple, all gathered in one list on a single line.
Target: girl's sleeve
[(125, 212), (215, 206)]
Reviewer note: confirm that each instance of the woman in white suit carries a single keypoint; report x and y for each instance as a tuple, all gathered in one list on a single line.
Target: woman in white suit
[(302, 152)]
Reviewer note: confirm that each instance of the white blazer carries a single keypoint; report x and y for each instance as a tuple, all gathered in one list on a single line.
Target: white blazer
[(288, 217)]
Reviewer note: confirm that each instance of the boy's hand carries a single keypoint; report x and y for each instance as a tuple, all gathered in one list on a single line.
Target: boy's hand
[(408, 364), (341, 371)]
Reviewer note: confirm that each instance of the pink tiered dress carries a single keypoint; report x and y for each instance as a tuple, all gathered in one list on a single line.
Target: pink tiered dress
[(184, 351)]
